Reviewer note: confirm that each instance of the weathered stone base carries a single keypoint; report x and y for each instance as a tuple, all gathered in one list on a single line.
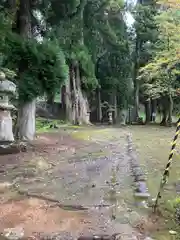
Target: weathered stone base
[(141, 190), (6, 133), (12, 148)]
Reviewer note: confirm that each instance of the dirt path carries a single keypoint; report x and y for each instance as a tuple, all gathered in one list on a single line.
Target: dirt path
[(86, 170)]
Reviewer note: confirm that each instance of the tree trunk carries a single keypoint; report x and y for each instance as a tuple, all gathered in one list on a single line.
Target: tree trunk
[(27, 111), (76, 103), (129, 115), (68, 100), (12, 11), (99, 108), (115, 107), (63, 97), (79, 96), (27, 121), (50, 103), (84, 108), (24, 19), (164, 105), (135, 80), (153, 109), (50, 99), (164, 118), (169, 120), (11, 5), (113, 103), (148, 111), (136, 103), (74, 99), (123, 116)]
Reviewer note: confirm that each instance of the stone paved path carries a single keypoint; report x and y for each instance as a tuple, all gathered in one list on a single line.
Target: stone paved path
[(94, 174)]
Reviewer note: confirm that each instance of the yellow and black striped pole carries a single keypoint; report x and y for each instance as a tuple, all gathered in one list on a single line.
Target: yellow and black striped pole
[(166, 172)]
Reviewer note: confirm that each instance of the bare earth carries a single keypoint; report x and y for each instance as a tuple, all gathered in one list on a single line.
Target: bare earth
[(70, 183)]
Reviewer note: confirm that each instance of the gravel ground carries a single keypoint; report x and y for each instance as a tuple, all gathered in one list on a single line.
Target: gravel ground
[(93, 174)]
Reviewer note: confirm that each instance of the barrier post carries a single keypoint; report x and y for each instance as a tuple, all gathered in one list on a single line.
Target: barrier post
[(166, 171)]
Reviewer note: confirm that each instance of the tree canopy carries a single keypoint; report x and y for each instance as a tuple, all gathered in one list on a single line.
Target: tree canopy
[(86, 45)]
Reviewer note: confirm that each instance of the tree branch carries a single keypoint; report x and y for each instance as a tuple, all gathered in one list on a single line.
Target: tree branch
[(78, 11)]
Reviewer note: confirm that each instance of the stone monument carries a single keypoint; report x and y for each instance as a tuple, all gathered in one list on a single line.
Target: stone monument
[(110, 116), (7, 88)]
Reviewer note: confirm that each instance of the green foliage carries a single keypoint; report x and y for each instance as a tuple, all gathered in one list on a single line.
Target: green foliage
[(146, 31), (4, 28), (72, 42), (80, 54), (145, 24), (45, 125), (175, 202), (111, 50), (9, 73), (56, 11), (43, 67), (114, 75), (163, 71), (84, 32)]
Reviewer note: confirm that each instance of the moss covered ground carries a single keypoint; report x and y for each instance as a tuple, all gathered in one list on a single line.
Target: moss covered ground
[(153, 145)]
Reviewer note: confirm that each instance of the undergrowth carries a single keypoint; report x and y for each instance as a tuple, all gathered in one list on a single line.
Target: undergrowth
[(45, 125)]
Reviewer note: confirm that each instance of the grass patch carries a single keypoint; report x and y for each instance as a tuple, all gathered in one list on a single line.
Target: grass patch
[(43, 125), (91, 133), (153, 146)]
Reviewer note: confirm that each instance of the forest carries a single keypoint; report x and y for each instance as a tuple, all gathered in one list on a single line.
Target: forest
[(104, 77), (85, 52)]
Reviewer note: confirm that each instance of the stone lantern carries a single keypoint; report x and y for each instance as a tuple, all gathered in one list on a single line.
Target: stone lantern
[(7, 88), (110, 115)]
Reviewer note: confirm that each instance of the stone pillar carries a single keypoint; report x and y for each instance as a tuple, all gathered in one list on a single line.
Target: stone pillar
[(110, 120), (141, 190), (88, 116), (6, 88), (6, 133)]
